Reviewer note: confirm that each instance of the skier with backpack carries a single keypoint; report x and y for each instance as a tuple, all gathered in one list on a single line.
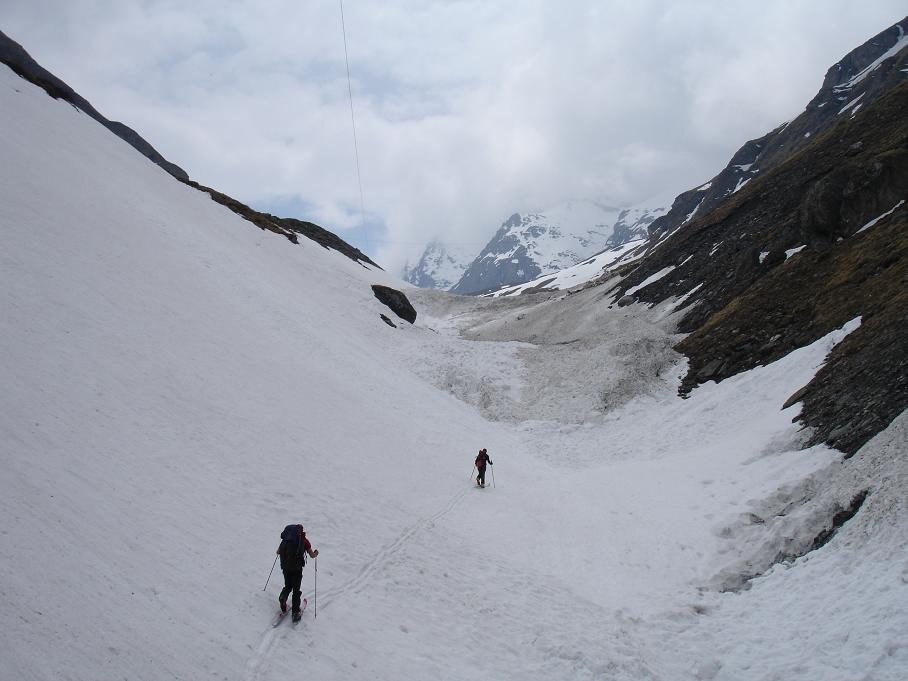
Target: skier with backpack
[(293, 549), (481, 460)]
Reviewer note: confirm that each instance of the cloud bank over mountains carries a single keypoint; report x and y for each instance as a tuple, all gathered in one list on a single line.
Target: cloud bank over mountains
[(466, 112)]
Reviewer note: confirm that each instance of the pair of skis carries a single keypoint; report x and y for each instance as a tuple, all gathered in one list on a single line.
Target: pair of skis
[(282, 614)]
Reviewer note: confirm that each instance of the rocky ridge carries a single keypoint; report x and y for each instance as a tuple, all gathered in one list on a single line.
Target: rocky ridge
[(14, 55), (852, 83), (816, 237)]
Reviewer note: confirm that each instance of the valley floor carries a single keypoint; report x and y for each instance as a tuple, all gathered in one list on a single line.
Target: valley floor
[(629, 534)]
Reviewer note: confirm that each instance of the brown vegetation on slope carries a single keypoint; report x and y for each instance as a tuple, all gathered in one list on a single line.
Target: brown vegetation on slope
[(751, 311)]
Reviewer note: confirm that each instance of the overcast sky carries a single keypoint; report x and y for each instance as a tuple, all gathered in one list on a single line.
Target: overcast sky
[(466, 111)]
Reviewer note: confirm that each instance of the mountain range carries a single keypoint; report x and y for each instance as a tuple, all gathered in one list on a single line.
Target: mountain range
[(516, 259), (527, 245)]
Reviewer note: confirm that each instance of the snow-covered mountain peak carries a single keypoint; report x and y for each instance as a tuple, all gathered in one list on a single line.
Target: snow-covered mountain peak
[(534, 243), (440, 266), (559, 236), (530, 244)]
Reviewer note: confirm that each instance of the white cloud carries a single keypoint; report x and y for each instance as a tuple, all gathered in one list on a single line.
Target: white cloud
[(466, 111)]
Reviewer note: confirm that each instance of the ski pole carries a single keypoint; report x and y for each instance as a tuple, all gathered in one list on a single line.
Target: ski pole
[(493, 475), (471, 471), (315, 597), (269, 574)]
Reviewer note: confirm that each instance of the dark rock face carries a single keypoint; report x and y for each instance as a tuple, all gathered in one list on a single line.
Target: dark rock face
[(396, 300), (629, 227), (387, 321), (14, 55), (786, 259), (288, 227), (851, 84), (489, 272)]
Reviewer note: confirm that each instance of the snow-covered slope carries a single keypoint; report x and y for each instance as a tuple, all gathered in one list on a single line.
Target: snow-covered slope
[(14, 55), (179, 384)]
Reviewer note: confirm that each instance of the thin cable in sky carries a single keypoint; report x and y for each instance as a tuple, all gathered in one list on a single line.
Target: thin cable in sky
[(359, 178)]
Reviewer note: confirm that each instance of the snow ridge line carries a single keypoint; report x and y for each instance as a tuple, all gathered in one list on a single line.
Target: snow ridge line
[(254, 663)]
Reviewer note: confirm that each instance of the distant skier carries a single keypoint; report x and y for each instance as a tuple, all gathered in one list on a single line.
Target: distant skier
[(293, 549), (481, 460)]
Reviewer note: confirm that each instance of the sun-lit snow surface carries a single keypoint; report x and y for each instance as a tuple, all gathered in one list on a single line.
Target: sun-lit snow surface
[(178, 385)]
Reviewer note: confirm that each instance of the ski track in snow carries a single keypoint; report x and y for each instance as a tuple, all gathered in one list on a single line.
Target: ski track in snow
[(386, 554), (254, 667)]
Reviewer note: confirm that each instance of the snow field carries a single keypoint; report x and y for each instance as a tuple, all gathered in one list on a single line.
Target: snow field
[(180, 385)]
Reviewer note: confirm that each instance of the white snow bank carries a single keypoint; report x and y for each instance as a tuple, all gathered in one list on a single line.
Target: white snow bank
[(875, 64), (792, 251), (575, 275), (881, 216), (649, 280)]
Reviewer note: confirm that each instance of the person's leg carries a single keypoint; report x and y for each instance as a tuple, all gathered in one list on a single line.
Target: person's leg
[(297, 595), (481, 478), (288, 586)]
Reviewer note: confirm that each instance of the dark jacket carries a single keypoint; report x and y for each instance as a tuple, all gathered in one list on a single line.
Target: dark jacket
[(293, 548), (293, 554), (482, 459)]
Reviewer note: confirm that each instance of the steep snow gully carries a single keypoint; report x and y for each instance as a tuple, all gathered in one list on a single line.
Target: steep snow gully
[(179, 385)]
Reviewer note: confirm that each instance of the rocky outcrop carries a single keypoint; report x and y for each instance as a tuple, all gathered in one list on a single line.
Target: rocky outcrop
[(396, 300), (287, 227), (14, 55)]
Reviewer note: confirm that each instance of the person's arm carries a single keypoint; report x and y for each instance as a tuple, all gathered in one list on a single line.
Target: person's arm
[(308, 548), (278, 552)]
